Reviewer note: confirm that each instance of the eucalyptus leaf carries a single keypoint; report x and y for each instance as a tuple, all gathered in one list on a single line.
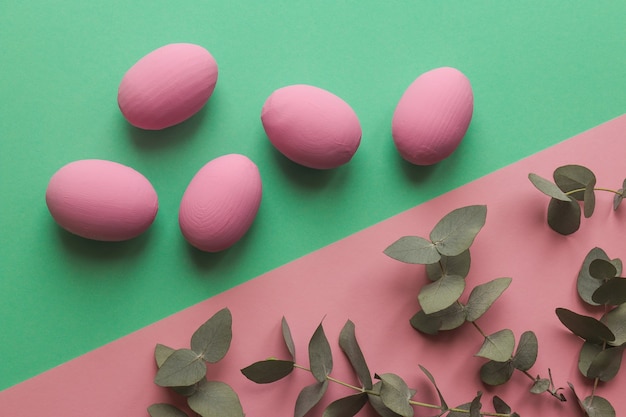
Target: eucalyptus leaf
[(587, 284), (350, 346), (615, 320), (165, 410), (483, 296), (597, 406), (455, 413), (500, 406), (498, 346), (496, 373), (161, 353), (377, 403), (574, 177), (212, 340), (540, 386), (456, 231), (430, 377), (612, 292), (564, 216), (347, 406), (585, 327), (413, 250), (452, 317), (395, 394), (215, 399), (425, 323), (547, 187), (450, 265), (476, 405), (602, 269), (587, 354), (309, 397), (320, 355), (182, 368), (606, 364), (441, 294), (267, 371), (291, 347), (589, 199), (617, 199), (526, 353)]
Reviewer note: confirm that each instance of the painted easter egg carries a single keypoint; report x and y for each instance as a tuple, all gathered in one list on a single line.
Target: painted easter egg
[(311, 126), (220, 203), (101, 200), (432, 116), (167, 86)]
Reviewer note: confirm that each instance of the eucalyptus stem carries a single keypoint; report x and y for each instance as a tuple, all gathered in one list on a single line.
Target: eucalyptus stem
[(412, 402), (578, 190)]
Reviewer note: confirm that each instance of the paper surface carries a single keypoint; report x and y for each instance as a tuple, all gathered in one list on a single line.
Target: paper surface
[(353, 279)]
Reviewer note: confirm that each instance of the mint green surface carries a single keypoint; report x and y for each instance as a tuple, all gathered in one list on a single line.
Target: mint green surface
[(541, 71)]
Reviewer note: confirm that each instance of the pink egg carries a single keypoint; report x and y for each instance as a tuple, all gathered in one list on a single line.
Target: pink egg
[(101, 200), (433, 116), (220, 203), (167, 86), (311, 126)]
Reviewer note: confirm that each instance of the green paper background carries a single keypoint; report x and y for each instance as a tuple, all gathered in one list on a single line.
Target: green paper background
[(541, 71)]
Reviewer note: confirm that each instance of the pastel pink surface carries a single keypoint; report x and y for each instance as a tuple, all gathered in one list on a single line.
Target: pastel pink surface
[(353, 279), (167, 86), (432, 116), (311, 126), (220, 203), (101, 200)]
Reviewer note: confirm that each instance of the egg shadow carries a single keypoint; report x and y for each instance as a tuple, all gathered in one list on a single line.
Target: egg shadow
[(100, 250)]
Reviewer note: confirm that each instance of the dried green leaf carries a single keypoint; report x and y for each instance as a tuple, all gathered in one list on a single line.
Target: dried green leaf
[(427, 324), (267, 371), (413, 250), (606, 364), (597, 406), (350, 346), (395, 394), (496, 373), (587, 354), (215, 399), (574, 177), (540, 386), (450, 265), (161, 353), (498, 346), (320, 355), (377, 403), (547, 187), (527, 350), (430, 377), (615, 320), (500, 406), (612, 292), (589, 199), (585, 327), (564, 216), (441, 294), (309, 397), (212, 340), (165, 410), (347, 406), (587, 284), (291, 347), (182, 368), (483, 296), (455, 232), (602, 269)]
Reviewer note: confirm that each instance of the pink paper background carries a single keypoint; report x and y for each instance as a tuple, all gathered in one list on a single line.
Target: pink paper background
[(353, 279)]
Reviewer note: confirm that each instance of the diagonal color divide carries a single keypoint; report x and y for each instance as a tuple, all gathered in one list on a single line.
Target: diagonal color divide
[(353, 279)]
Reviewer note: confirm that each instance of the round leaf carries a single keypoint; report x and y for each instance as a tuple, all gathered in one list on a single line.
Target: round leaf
[(441, 294), (615, 320), (498, 346), (215, 399), (484, 295), (606, 364), (547, 187), (350, 346), (377, 404), (346, 407), (574, 177), (161, 353), (413, 250), (452, 317), (540, 386), (564, 216), (264, 372), (309, 397), (427, 324), (602, 269), (182, 368), (456, 231), (496, 373), (212, 340), (587, 354), (320, 355), (598, 407), (587, 284), (395, 394), (612, 292), (165, 410), (450, 265), (585, 327), (526, 353)]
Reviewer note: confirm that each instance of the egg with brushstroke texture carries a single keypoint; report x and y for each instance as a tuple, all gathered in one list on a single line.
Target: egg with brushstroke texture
[(311, 126), (220, 203), (433, 116), (101, 200), (167, 86)]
